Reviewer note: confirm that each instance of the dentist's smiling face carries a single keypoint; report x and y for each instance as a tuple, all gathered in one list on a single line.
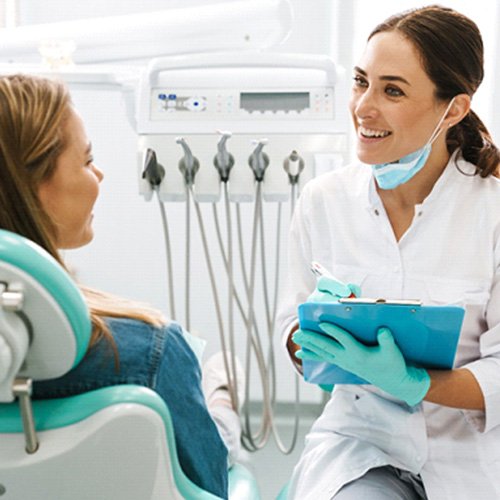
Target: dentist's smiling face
[(393, 105)]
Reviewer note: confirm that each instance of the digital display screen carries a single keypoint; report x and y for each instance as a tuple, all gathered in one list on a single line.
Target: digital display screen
[(274, 101)]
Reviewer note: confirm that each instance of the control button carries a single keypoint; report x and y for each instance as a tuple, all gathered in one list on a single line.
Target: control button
[(162, 97), (195, 103)]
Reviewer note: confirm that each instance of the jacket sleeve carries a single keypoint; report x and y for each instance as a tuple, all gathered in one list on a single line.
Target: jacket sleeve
[(300, 281), (487, 368)]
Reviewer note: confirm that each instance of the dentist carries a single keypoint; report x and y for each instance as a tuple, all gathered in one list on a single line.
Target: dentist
[(418, 216)]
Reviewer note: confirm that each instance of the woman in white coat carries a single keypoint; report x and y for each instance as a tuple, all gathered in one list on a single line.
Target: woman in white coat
[(417, 217)]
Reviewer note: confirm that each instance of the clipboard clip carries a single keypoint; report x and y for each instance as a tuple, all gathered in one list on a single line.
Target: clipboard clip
[(395, 302)]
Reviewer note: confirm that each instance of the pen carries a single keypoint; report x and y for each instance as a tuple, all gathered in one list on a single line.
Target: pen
[(318, 270)]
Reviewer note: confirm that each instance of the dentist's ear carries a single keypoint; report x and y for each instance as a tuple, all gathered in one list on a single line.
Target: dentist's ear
[(458, 110)]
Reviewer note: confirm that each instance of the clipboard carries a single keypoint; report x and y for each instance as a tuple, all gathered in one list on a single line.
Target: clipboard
[(427, 335)]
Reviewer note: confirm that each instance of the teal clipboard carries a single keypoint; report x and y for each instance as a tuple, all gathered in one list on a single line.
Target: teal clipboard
[(427, 335)]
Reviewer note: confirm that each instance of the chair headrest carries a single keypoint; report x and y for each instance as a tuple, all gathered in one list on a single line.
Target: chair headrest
[(54, 315)]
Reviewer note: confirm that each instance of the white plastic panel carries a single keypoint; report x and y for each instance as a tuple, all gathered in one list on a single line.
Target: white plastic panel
[(52, 347), (120, 453)]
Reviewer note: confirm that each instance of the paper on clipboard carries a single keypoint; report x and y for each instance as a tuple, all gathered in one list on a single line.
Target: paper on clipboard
[(427, 335)]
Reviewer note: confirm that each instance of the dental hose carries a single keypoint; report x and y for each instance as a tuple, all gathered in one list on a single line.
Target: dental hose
[(168, 255)]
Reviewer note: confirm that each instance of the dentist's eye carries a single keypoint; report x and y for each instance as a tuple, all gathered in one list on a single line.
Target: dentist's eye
[(359, 81), (394, 91)]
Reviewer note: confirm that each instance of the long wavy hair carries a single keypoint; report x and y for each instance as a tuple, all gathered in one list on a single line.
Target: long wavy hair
[(33, 111), (451, 49)]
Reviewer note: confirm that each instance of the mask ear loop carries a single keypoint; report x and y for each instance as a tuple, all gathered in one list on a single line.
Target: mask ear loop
[(438, 130)]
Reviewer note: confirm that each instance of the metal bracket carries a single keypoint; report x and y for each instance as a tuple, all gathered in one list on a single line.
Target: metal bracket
[(21, 388), (11, 297)]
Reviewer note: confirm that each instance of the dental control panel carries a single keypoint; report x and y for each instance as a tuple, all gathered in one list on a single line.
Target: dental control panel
[(301, 104), (244, 93)]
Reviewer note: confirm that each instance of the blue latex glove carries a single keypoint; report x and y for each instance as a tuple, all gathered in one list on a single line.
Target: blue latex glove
[(331, 290), (327, 387), (382, 365)]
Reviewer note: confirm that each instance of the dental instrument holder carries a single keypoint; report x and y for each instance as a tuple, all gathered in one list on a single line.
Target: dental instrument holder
[(153, 171), (258, 160), (223, 160), (152, 174), (293, 165), (288, 98), (189, 164)]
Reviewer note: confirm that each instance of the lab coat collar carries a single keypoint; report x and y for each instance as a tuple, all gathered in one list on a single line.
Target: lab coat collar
[(456, 165), (448, 178)]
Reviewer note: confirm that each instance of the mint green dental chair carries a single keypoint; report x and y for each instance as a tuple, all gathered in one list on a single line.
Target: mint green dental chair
[(112, 443)]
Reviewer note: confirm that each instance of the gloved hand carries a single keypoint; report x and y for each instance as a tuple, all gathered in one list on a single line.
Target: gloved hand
[(327, 387), (331, 290), (382, 365)]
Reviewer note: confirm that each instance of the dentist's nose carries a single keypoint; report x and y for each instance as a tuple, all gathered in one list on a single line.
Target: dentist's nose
[(365, 105)]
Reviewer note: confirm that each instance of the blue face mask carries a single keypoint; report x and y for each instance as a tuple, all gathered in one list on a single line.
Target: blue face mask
[(391, 175)]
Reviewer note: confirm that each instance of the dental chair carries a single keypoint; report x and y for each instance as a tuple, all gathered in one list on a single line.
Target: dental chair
[(112, 443)]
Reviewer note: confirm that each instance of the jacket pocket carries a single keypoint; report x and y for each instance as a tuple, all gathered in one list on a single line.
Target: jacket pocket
[(458, 292)]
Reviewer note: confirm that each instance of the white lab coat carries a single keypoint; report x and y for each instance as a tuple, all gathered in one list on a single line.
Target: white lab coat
[(450, 254)]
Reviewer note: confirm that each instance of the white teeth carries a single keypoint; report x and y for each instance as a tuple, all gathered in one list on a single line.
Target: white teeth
[(367, 132)]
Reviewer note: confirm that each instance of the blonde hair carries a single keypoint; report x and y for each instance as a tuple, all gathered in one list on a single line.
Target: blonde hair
[(33, 111)]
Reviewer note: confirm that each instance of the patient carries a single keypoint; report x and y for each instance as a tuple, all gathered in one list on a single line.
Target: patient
[(48, 187)]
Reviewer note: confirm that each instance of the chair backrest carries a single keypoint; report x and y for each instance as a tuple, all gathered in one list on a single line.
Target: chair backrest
[(44, 322)]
